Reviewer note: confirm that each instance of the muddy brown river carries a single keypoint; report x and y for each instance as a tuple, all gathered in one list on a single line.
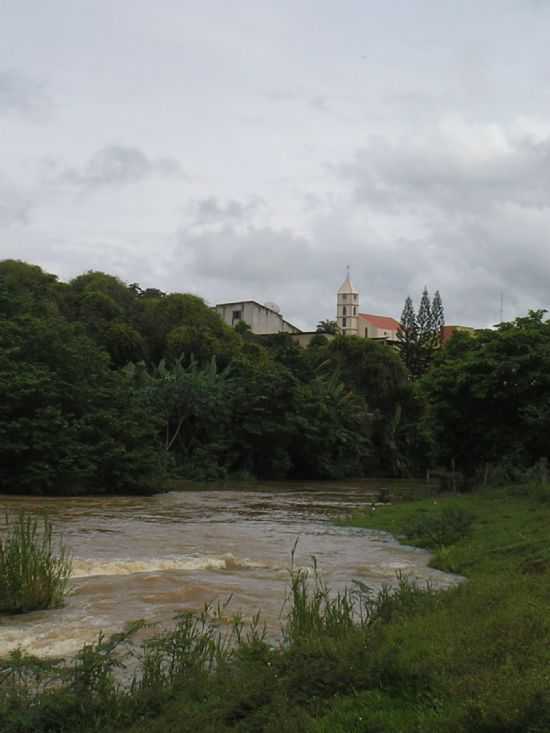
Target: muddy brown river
[(152, 557)]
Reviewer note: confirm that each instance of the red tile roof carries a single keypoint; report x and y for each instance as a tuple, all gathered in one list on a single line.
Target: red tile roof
[(448, 331), (385, 322)]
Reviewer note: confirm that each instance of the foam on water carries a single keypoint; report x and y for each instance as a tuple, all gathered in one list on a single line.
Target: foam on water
[(90, 568), (155, 557)]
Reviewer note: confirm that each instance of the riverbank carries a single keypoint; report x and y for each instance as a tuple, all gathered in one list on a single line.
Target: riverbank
[(509, 532), (474, 658), (396, 487), (479, 659)]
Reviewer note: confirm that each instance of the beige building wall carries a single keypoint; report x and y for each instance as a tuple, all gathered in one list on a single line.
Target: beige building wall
[(367, 330), (304, 339), (261, 319)]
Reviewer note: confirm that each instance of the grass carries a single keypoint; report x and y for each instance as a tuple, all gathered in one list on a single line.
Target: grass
[(508, 530), (34, 573), (473, 659)]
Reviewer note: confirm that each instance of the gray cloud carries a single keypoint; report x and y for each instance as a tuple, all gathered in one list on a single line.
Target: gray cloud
[(410, 140), (256, 256), (319, 103), (480, 205), (300, 273), (14, 205), (120, 165), (211, 211), (441, 174), (23, 95)]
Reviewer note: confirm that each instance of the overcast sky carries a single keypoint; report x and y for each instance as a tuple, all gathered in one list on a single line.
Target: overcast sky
[(251, 149)]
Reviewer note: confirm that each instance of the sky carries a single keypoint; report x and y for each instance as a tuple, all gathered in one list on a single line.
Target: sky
[(252, 149)]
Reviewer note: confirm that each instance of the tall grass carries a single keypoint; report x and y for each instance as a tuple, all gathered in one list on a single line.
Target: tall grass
[(34, 572), (472, 659), (403, 659), (317, 612)]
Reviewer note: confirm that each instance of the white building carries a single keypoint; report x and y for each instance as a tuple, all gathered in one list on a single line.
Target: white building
[(266, 319), (262, 319), (347, 308)]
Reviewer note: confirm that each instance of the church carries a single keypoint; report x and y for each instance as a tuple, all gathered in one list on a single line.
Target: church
[(352, 322), (266, 319)]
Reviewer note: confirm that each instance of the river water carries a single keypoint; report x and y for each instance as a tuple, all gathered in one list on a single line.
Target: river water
[(152, 557)]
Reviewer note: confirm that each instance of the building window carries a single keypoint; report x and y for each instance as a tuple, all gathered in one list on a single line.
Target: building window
[(344, 311), (354, 310), (236, 316), (344, 321), (344, 297), (355, 296)]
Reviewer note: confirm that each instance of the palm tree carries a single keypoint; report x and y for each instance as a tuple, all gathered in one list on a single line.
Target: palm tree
[(328, 326)]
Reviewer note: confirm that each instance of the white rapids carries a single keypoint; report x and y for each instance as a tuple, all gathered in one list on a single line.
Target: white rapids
[(154, 557)]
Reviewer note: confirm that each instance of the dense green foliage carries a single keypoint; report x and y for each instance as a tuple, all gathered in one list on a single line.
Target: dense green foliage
[(488, 398), (68, 422), (471, 659), (34, 573), (108, 387)]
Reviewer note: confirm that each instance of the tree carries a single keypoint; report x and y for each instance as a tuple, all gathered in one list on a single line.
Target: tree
[(420, 336), (438, 317), (243, 329), (407, 336), (262, 403), (193, 402), (184, 321), (124, 343), (375, 372), (68, 422), (111, 286), (332, 428), (424, 318), (284, 350), (328, 326), (26, 288), (488, 396)]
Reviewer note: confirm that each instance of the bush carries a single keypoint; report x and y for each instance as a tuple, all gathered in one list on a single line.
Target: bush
[(539, 491), (33, 575), (442, 528)]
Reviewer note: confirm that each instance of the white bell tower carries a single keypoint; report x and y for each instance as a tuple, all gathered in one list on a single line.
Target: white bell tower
[(347, 308)]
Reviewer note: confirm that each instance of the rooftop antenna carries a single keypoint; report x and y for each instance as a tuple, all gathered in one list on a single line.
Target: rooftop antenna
[(501, 307), (347, 272)]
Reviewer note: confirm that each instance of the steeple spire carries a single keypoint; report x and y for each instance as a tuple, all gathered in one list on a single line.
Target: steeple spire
[(347, 306)]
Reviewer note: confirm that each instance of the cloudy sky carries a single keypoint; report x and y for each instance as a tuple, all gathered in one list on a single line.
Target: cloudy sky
[(251, 149)]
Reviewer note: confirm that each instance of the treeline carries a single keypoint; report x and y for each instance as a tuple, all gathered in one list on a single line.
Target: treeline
[(105, 386), (108, 387)]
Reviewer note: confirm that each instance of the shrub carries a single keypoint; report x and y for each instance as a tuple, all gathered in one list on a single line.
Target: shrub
[(389, 604), (33, 573), (539, 491), (441, 528)]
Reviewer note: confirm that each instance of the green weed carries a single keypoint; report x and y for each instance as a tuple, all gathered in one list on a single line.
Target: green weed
[(34, 573)]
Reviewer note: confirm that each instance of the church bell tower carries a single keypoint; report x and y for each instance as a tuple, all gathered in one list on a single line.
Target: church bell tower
[(347, 308)]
